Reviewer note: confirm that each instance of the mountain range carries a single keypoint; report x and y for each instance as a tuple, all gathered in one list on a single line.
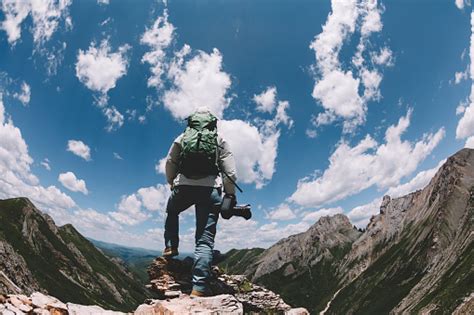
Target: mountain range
[(415, 257)]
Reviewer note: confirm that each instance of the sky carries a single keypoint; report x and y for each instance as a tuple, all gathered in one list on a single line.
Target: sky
[(327, 106)]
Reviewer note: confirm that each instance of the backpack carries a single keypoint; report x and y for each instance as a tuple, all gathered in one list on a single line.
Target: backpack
[(199, 146)]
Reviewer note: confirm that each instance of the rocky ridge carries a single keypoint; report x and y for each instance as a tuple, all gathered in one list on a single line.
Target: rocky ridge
[(171, 278), (415, 256)]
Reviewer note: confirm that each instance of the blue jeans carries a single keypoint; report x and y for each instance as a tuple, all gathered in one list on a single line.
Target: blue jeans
[(204, 199)]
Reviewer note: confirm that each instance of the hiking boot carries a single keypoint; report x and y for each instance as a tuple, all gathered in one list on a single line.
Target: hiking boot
[(196, 293), (170, 252)]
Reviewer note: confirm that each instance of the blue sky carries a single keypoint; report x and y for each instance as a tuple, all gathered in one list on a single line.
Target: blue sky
[(327, 105)]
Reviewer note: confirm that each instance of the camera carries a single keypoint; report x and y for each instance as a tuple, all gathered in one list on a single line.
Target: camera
[(229, 208)]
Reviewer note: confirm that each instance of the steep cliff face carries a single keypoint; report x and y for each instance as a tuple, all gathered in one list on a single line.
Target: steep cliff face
[(417, 254), (37, 255)]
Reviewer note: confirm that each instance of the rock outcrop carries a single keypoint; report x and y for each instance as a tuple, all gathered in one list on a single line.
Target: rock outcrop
[(38, 303), (171, 279)]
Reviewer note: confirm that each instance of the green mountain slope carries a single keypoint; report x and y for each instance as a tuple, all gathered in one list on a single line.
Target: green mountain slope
[(238, 261), (62, 262), (137, 260)]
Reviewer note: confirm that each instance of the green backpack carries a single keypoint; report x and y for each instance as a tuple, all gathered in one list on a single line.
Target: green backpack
[(199, 146)]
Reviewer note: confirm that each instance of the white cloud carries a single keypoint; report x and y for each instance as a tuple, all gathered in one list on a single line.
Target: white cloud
[(354, 169), (114, 118), (311, 133), (133, 209), (282, 212), (25, 94), (104, 2), (462, 3), (469, 142), (337, 89), (16, 178), (129, 211), (79, 148), (461, 76), (314, 216), (46, 16), (99, 68), (465, 126), (231, 231), (197, 82), (154, 198), (383, 58), (282, 115), (338, 92), (71, 182), (160, 167), (117, 156), (45, 164), (254, 151), (158, 38), (266, 100)]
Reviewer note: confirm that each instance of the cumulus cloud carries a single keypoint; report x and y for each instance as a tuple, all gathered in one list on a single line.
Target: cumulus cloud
[(134, 209), (24, 95), (266, 101), (117, 156), (158, 38), (338, 90), (99, 68), (254, 151), (282, 212), (354, 169), (465, 128), (16, 178), (71, 182), (231, 231), (197, 81), (104, 2), (79, 148), (46, 16)]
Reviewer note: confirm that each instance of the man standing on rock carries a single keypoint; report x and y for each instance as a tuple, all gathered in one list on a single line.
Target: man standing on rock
[(194, 165)]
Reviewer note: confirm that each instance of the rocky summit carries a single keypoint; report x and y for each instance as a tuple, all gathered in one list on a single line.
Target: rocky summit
[(171, 279)]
